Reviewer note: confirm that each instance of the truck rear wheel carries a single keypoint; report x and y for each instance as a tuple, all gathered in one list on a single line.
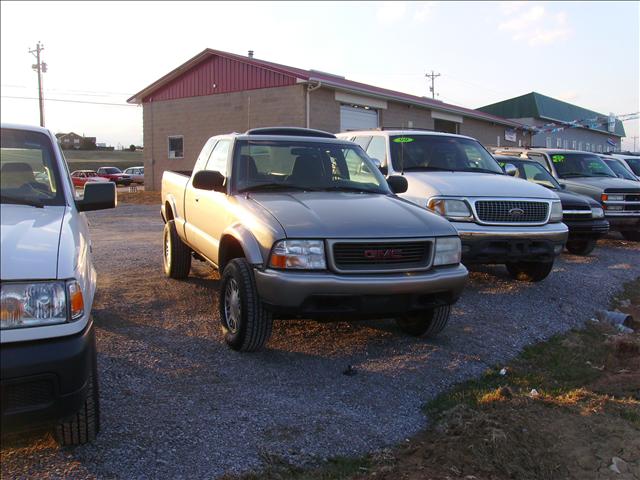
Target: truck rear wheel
[(84, 426), (246, 323), (530, 271), (581, 247), (426, 324), (631, 235), (176, 257)]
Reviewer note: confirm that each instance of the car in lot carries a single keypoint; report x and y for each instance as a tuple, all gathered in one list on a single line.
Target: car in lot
[(619, 167), (115, 175), (302, 224), (587, 174), (583, 215), (80, 177), (500, 220), (632, 161), (48, 374), (136, 174)]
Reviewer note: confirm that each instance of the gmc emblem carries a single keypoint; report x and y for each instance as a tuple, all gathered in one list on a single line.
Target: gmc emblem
[(383, 253)]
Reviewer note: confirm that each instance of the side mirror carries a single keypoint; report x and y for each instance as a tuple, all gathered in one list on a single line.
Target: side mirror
[(209, 180), (378, 163), (398, 183), (510, 170), (97, 196)]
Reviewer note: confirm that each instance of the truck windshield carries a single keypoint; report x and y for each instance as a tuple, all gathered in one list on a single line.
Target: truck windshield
[(272, 165), (580, 165), (28, 169), (634, 163), (619, 169), (435, 152)]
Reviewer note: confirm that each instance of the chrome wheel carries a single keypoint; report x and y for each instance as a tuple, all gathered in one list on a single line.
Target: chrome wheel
[(232, 306)]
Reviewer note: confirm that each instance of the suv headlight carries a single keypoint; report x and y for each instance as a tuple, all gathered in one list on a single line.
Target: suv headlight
[(448, 251), (597, 212), (39, 303), (556, 212), (451, 209), (298, 255)]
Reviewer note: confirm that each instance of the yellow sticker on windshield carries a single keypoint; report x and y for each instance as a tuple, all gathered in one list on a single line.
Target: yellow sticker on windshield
[(557, 158), (403, 140)]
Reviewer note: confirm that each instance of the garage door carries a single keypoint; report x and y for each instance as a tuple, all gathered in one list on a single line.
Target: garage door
[(357, 118)]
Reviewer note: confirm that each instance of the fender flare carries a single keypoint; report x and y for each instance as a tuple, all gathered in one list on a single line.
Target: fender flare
[(172, 204), (247, 241)]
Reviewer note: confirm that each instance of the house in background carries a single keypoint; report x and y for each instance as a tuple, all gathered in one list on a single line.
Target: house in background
[(74, 141), (563, 125)]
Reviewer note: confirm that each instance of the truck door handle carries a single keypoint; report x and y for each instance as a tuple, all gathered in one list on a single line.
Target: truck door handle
[(197, 199)]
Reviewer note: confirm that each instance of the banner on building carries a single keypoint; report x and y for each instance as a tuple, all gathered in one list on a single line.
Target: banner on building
[(611, 141), (510, 135)]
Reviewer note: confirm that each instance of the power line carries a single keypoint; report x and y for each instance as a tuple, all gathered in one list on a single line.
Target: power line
[(78, 92), (70, 101)]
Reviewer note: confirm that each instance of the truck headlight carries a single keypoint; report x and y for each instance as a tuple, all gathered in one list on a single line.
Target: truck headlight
[(448, 251), (39, 303), (597, 212), (556, 212), (298, 255), (612, 198), (451, 209)]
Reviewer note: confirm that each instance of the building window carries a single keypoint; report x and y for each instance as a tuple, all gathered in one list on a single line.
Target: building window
[(579, 145), (574, 144), (599, 148), (558, 142), (587, 147), (565, 144), (445, 126), (176, 146), (76, 141), (548, 142)]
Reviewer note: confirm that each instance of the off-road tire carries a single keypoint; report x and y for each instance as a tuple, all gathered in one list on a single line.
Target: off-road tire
[(176, 256), (84, 425), (631, 235), (581, 247), (255, 321), (530, 271), (426, 324)]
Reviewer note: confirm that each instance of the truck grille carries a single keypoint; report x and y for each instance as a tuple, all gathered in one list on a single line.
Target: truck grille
[(367, 256), (501, 211), (581, 212)]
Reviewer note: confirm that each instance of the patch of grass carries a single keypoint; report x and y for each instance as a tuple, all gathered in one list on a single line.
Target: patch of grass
[(336, 468)]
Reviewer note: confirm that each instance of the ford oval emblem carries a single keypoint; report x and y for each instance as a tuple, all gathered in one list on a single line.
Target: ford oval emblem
[(516, 212)]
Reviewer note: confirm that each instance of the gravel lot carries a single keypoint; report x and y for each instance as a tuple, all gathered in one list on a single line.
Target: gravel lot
[(176, 402)]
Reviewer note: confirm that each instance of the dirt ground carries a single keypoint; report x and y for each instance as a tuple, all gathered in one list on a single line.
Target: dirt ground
[(140, 198)]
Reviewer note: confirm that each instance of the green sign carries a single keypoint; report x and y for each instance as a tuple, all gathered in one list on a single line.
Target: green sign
[(502, 164), (403, 140), (557, 158)]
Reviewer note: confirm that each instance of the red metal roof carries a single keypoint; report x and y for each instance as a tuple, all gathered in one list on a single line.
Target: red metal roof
[(231, 72)]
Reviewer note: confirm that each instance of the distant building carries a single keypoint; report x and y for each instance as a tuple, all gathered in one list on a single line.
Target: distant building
[(562, 124), (72, 140)]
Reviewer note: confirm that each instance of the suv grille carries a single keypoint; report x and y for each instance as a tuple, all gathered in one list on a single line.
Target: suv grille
[(501, 211), (367, 256)]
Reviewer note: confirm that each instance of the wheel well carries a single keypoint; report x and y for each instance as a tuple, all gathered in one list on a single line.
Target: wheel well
[(168, 212), (230, 248)]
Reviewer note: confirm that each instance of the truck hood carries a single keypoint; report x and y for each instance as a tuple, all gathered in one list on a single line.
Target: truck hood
[(350, 215), (29, 241), (603, 184), (470, 184)]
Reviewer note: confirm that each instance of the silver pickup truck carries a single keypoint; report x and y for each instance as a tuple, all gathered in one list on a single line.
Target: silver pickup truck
[(302, 224)]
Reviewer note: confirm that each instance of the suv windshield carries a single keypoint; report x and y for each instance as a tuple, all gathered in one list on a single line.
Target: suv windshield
[(436, 152), (28, 169), (294, 165), (110, 170), (580, 165), (619, 169)]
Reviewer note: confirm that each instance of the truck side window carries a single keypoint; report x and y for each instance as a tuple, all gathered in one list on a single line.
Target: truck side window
[(218, 159), (363, 141), (204, 155), (378, 149), (538, 157)]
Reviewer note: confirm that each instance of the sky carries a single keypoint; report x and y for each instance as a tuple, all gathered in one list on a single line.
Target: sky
[(104, 52)]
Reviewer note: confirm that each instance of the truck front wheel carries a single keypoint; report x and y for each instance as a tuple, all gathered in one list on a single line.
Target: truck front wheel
[(246, 323), (530, 271), (426, 324), (176, 257), (581, 247), (631, 235)]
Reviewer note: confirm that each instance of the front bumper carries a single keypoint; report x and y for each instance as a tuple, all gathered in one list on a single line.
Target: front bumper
[(502, 244), (623, 222), (43, 381), (327, 293), (592, 228)]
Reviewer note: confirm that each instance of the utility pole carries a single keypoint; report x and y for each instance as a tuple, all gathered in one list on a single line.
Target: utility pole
[(433, 79), (41, 68)]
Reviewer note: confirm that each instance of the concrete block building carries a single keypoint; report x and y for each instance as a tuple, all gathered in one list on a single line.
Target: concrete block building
[(217, 92)]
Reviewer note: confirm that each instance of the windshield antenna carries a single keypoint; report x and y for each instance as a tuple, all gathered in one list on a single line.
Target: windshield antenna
[(402, 153)]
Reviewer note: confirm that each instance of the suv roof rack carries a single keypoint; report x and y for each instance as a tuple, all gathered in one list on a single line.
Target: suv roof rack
[(290, 131)]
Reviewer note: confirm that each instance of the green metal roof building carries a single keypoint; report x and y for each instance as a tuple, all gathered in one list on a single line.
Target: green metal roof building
[(560, 124)]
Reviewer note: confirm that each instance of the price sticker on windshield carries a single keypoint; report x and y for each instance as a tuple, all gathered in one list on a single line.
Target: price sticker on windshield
[(403, 140), (502, 164), (557, 158)]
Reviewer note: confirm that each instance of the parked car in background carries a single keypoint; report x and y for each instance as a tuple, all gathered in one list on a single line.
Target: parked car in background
[(48, 372), (302, 224), (587, 174), (115, 175), (583, 215), (632, 161), (500, 220), (619, 167), (80, 177), (136, 174)]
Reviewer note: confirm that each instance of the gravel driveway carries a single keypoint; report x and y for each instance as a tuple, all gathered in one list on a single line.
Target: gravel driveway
[(176, 402)]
